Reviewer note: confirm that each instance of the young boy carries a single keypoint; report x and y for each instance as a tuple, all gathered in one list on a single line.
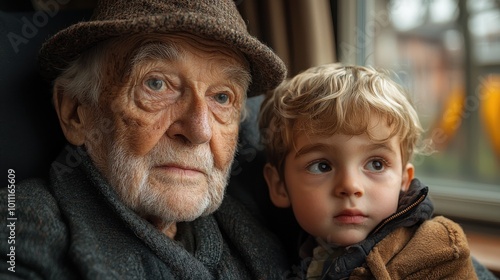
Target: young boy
[(339, 141)]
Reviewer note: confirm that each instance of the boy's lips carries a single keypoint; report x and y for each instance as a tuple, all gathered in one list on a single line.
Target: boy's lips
[(350, 216)]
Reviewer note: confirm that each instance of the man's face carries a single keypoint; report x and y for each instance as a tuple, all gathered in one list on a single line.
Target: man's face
[(174, 128)]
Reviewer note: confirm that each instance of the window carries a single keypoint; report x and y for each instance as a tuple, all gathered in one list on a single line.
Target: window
[(447, 54)]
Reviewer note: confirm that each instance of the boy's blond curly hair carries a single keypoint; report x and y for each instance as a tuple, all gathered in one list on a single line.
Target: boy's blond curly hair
[(330, 99)]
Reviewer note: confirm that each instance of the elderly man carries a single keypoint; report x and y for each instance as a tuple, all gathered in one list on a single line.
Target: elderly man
[(149, 95)]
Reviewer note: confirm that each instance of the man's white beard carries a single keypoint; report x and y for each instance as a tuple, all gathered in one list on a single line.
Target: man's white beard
[(169, 201)]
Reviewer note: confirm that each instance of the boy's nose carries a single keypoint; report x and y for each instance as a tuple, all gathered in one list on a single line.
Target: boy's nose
[(348, 184)]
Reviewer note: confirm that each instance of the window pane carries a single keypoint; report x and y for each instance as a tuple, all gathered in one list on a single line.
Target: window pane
[(450, 61)]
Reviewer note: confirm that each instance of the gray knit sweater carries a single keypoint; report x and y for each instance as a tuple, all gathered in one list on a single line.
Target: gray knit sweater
[(75, 227)]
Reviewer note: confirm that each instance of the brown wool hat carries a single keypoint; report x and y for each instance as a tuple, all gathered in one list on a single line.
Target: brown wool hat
[(213, 19)]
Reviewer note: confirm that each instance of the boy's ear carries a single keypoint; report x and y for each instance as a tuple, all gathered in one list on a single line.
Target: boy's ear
[(70, 114), (408, 175), (277, 190)]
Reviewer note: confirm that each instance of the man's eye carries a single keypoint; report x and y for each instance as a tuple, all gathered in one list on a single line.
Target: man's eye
[(155, 84), (319, 167), (221, 98), (375, 165)]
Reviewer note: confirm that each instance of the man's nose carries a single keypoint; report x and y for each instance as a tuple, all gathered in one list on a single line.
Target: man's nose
[(193, 124)]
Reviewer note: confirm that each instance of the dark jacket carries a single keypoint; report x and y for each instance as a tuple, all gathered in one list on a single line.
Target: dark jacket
[(406, 245), (76, 227)]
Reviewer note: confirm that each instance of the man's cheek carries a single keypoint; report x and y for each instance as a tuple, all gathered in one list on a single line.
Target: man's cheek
[(140, 132), (223, 147)]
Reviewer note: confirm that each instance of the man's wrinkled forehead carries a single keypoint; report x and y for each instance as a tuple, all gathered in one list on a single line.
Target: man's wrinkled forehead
[(126, 55)]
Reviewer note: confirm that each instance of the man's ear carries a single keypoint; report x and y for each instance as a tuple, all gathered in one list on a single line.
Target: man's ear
[(69, 112), (277, 190), (408, 175)]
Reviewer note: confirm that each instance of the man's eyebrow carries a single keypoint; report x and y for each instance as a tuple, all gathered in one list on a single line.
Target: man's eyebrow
[(239, 75), (155, 51), (169, 51)]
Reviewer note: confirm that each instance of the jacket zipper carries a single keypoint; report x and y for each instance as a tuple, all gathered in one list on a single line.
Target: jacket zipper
[(408, 208)]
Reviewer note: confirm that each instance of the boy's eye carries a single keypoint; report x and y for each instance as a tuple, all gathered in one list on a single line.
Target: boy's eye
[(221, 98), (155, 84), (319, 167), (375, 165)]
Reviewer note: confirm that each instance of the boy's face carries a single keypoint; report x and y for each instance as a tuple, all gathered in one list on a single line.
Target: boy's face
[(340, 187)]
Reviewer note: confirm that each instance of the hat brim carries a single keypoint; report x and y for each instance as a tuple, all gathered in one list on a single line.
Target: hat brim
[(267, 69)]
